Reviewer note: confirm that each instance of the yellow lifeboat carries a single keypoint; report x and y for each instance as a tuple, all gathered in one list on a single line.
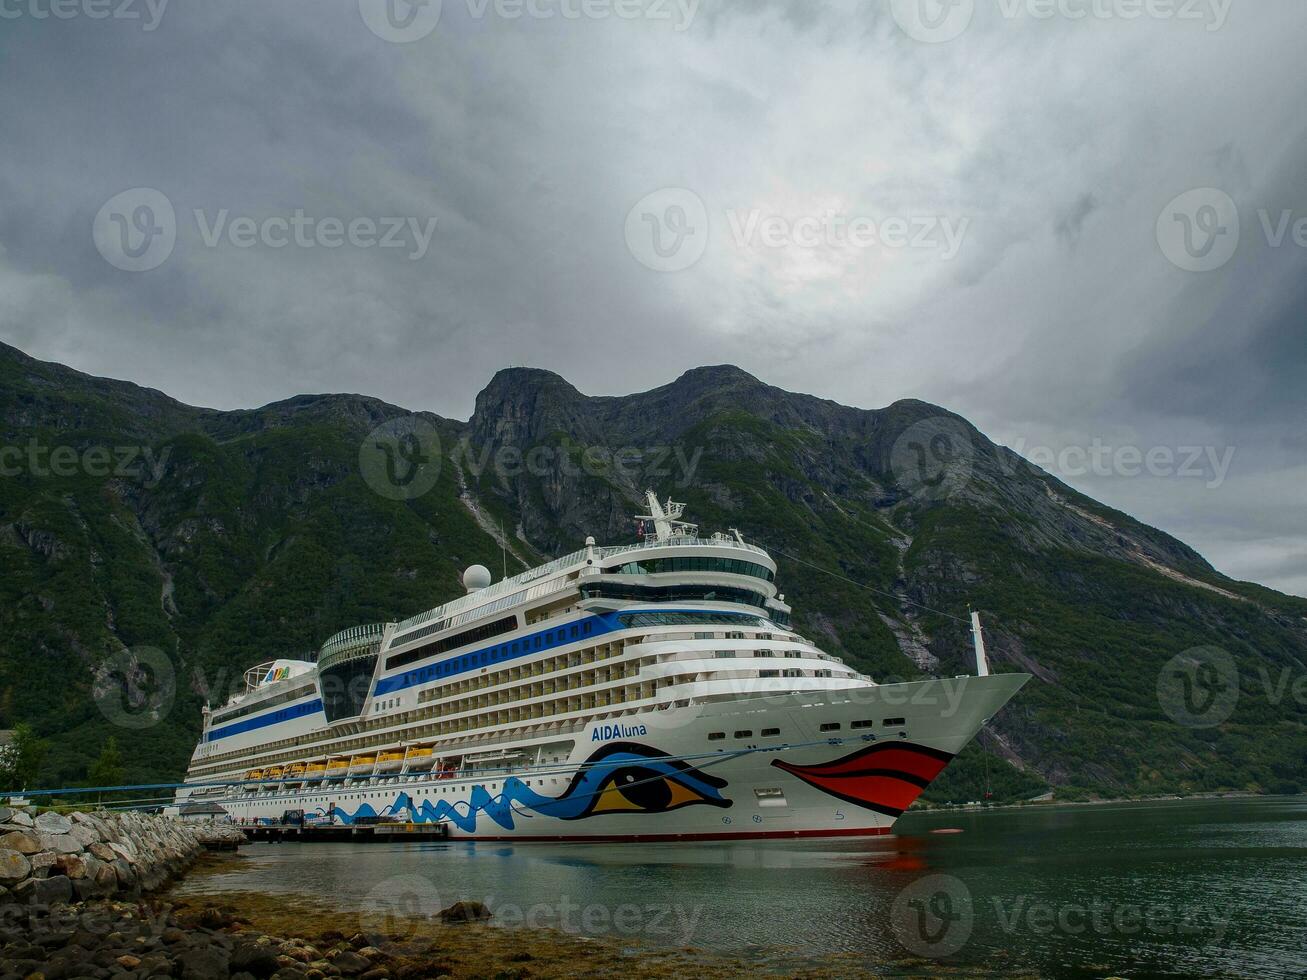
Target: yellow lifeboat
[(254, 774), (274, 772), (419, 758), (389, 761), (295, 770), (337, 768), (315, 770), (361, 764)]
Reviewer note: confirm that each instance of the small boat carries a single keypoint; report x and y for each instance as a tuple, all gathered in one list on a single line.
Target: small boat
[(273, 772), (361, 764), (337, 768), (254, 775), (419, 758), (390, 761), (315, 771)]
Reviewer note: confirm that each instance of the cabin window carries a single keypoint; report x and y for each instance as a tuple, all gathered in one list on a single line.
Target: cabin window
[(744, 733), (769, 732), (891, 722), (831, 726), (863, 723), (716, 736)]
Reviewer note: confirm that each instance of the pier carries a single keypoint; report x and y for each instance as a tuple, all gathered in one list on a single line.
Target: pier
[(277, 833)]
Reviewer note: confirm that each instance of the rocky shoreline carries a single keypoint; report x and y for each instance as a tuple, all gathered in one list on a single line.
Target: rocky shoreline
[(54, 859), (63, 915)]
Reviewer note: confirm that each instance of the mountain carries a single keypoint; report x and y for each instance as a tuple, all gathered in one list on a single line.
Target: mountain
[(153, 551)]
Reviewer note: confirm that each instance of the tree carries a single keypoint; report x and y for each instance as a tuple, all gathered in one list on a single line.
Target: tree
[(21, 759), (107, 770)]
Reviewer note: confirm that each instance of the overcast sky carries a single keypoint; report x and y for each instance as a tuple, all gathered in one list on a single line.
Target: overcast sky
[(985, 204)]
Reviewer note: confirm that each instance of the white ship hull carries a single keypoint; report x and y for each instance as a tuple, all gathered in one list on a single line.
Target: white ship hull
[(685, 773)]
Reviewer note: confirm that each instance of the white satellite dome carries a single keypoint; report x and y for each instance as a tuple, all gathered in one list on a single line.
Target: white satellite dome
[(476, 578)]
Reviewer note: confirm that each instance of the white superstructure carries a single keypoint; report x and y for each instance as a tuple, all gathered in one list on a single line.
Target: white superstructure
[(646, 691)]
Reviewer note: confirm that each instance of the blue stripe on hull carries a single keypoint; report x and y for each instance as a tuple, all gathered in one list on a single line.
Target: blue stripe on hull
[(263, 721)]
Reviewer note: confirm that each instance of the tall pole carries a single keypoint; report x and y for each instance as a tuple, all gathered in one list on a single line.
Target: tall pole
[(978, 639)]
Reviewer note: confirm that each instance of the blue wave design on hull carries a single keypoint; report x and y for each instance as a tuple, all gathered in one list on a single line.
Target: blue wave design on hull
[(578, 801)]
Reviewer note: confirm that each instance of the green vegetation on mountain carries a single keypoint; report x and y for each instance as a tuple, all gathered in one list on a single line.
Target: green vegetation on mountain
[(152, 552)]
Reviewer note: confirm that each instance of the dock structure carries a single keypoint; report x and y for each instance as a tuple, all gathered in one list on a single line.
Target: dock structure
[(295, 832)]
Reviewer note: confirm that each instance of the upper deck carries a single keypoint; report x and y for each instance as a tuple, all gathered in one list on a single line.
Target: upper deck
[(671, 562)]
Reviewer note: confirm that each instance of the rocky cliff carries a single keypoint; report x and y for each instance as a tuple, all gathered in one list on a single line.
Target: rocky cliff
[(132, 595)]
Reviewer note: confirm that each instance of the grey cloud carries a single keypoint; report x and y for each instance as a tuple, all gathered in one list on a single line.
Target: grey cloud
[(1059, 142)]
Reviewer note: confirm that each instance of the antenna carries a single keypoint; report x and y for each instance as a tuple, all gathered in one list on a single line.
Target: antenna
[(665, 517), (503, 548), (978, 638)]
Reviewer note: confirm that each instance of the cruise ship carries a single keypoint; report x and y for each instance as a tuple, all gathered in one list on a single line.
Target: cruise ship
[(648, 691)]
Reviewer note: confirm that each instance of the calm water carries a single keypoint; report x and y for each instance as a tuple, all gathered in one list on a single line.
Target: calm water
[(1211, 888)]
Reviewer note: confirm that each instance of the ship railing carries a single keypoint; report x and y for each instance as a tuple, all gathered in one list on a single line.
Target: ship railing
[(680, 540), (353, 636), (475, 601), (510, 591)]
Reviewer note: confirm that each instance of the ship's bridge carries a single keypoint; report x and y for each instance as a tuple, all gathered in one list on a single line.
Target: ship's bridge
[(672, 563), (685, 569)]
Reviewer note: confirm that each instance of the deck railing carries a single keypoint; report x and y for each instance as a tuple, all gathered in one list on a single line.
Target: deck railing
[(510, 592)]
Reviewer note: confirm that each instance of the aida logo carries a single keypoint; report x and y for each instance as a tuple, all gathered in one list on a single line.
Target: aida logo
[(604, 733)]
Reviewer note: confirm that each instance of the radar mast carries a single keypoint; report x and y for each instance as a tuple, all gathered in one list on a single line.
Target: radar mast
[(665, 518)]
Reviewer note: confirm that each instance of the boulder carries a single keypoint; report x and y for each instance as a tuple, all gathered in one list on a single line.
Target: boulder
[(255, 959), (55, 890), (14, 866), (125, 851), (204, 963), (20, 841), (127, 879), (60, 843), (106, 879), (465, 912), (102, 851), (42, 862), (20, 819), (50, 822), (5, 814), (71, 865), (84, 833), (350, 963)]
